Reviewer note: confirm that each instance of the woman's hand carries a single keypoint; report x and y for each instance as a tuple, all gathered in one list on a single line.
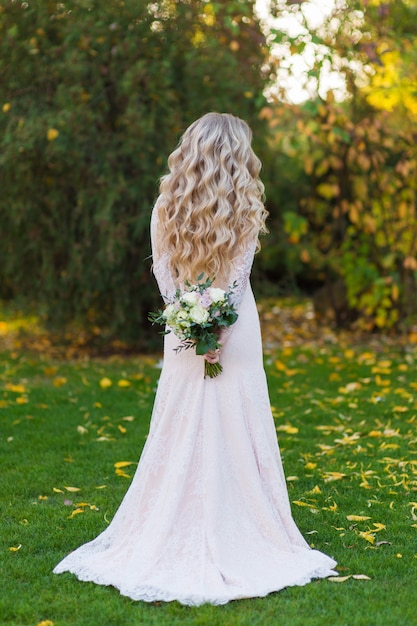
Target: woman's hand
[(213, 356)]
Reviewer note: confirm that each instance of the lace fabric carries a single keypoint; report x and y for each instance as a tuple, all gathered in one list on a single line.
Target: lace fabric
[(207, 516)]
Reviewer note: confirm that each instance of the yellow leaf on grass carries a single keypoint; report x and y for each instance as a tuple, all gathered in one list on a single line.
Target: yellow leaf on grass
[(365, 534), (330, 476), (378, 527), (15, 548), (382, 382), (384, 363), (287, 428), (381, 370), (280, 366), (122, 429), (22, 400), (357, 518), (15, 388), (123, 463), (75, 512), (124, 383), (57, 490), (400, 409), (333, 507), (46, 622), (72, 489), (338, 579), (123, 474), (350, 387), (59, 381), (310, 466), (105, 383), (315, 491), (50, 371), (361, 577)]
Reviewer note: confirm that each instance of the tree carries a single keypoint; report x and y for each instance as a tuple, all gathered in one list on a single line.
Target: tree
[(355, 215), (96, 95)]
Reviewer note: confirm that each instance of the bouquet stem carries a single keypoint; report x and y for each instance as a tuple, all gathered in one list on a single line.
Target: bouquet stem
[(212, 369)]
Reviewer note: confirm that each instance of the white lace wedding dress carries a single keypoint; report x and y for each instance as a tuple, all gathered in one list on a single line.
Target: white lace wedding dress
[(207, 516)]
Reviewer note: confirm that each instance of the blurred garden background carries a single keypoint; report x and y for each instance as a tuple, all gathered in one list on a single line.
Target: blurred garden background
[(95, 96)]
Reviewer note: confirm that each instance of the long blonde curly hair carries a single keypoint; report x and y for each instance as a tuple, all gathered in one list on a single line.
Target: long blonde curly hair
[(210, 204)]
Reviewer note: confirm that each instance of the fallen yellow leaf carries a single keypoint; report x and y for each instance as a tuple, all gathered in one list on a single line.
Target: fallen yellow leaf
[(287, 428), (50, 371), (59, 381), (365, 534), (105, 383), (123, 474), (123, 464), (15, 548), (124, 383), (357, 518), (75, 512), (16, 388), (330, 476), (72, 489)]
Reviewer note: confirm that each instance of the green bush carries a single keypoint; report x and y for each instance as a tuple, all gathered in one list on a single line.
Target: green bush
[(96, 95)]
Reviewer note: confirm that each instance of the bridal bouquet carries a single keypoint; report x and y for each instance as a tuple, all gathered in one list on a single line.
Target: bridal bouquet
[(196, 317)]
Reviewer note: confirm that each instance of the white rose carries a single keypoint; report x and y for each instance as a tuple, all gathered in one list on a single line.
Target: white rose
[(190, 298), (169, 312), (198, 314), (217, 294)]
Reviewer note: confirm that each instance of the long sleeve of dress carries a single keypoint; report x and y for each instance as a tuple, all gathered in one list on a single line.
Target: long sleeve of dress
[(240, 273), (160, 261)]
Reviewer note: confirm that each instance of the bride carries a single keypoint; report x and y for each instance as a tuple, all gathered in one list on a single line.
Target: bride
[(207, 516)]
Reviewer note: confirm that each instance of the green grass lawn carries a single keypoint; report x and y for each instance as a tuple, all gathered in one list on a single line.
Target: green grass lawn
[(346, 420)]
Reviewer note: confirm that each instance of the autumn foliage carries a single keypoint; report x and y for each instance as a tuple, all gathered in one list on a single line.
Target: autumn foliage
[(351, 224)]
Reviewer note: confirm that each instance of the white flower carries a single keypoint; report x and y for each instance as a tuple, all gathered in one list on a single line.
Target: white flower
[(190, 298), (169, 312), (217, 294), (198, 314)]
